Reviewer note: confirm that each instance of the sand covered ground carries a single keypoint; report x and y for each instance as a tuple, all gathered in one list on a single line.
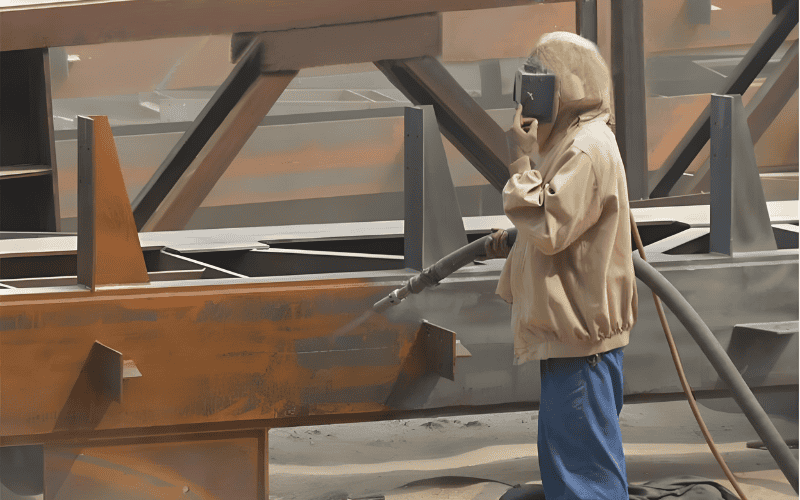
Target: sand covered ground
[(336, 462)]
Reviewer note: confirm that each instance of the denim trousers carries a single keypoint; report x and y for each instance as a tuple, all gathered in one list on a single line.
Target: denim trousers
[(580, 443)]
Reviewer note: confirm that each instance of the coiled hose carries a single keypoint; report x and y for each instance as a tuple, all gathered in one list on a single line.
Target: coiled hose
[(686, 315)]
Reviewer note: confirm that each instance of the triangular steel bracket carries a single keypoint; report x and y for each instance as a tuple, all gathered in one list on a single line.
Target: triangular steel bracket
[(440, 350), (739, 216), (109, 251), (433, 223)]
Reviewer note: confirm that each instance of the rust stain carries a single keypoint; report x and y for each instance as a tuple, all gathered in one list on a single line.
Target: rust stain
[(209, 356), (116, 255)]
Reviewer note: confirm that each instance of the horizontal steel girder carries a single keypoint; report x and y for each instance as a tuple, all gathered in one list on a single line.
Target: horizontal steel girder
[(222, 355), (43, 23)]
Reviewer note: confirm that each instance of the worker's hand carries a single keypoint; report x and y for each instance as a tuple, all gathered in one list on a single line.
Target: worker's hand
[(524, 133), (497, 246)]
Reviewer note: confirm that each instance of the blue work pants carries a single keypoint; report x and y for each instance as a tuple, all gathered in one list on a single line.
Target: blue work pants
[(580, 443)]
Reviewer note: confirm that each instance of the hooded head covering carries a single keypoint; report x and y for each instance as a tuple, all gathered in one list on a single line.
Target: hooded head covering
[(583, 80)]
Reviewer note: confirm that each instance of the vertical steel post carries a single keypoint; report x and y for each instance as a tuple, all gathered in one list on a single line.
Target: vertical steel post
[(721, 198), (739, 216), (262, 465), (87, 247), (627, 63), (586, 19), (433, 223)]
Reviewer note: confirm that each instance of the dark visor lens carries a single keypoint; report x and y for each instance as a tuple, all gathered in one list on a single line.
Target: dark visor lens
[(534, 65)]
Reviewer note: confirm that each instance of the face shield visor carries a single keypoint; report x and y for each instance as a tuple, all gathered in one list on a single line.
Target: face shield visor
[(534, 89)]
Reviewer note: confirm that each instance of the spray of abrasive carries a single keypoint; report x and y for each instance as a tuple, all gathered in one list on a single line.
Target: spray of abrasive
[(355, 323)]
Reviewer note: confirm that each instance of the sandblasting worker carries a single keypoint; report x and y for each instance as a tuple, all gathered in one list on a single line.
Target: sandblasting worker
[(569, 275)]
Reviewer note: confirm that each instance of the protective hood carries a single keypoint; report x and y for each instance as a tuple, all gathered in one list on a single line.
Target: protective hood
[(583, 80)]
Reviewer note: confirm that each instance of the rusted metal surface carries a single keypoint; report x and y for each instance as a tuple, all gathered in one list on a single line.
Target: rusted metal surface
[(248, 360), (101, 377), (40, 23), (275, 165), (108, 243), (191, 62), (296, 49), (440, 344), (266, 352)]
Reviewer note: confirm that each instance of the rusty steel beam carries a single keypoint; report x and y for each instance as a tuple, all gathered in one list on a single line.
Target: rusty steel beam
[(206, 150), (295, 49), (737, 83), (267, 352), (424, 81), (43, 23)]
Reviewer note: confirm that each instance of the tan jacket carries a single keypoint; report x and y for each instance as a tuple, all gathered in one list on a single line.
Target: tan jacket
[(569, 275)]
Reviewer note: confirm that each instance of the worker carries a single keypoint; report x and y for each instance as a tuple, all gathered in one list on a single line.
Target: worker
[(569, 275)]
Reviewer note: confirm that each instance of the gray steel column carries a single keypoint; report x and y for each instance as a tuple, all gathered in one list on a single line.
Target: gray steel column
[(586, 19), (739, 216), (433, 223), (627, 63)]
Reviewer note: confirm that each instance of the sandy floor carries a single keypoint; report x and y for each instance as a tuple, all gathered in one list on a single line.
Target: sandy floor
[(355, 460)]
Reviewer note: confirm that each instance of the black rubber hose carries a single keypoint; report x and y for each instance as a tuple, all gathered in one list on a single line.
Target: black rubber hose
[(443, 268), (460, 258), (723, 365)]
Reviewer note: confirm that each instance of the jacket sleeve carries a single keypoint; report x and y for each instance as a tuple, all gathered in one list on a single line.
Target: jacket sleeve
[(553, 215)]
